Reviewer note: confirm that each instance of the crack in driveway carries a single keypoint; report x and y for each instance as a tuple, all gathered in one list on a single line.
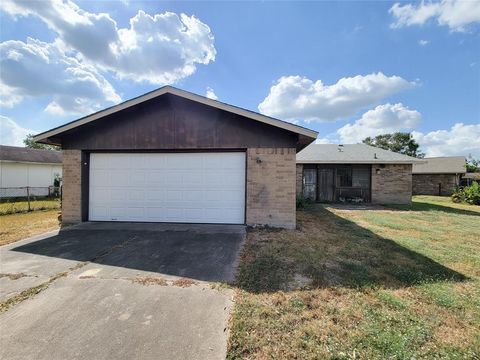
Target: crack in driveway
[(31, 292)]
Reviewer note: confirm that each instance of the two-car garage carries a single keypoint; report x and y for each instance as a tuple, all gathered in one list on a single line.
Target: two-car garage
[(174, 156), (203, 187)]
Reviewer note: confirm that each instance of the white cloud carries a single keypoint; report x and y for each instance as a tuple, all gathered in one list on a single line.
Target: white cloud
[(456, 14), (159, 49), (324, 140), (296, 98), (211, 94), (11, 133), (383, 119), (423, 42), (37, 69), (461, 139)]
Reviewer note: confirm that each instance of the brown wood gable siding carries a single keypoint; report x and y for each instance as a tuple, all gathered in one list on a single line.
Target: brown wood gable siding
[(170, 122)]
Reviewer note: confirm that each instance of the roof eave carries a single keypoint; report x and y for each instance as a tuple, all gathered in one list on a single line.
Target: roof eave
[(354, 162), (438, 172), (31, 162), (44, 137)]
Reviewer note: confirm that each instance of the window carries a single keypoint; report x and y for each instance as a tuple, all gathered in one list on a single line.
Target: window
[(344, 176), (361, 176)]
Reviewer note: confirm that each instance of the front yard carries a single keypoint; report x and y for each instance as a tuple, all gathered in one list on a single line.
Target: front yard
[(400, 283), (16, 227)]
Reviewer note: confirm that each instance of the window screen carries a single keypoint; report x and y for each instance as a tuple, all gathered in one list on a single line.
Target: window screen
[(344, 176), (361, 176)]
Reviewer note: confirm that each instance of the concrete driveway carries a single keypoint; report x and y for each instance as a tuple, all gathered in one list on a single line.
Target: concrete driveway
[(122, 290)]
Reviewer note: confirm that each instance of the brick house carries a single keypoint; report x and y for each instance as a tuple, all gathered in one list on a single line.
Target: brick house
[(174, 156), (438, 175), (355, 173)]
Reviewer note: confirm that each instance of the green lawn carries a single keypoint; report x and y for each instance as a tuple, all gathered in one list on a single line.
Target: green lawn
[(13, 207), (398, 283)]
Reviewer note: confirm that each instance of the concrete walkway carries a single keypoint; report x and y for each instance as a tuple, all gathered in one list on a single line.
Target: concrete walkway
[(123, 291)]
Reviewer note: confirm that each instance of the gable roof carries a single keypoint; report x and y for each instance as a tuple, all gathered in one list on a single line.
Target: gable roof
[(351, 154), (43, 137), (22, 154), (441, 165)]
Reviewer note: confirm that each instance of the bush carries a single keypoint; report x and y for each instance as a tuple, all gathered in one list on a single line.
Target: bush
[(301, 202), (469, 194)]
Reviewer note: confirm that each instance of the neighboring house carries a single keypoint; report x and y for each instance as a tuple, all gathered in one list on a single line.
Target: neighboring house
[(24, 167), (355, 173), (174, 156), (468, 178), (438, 175)]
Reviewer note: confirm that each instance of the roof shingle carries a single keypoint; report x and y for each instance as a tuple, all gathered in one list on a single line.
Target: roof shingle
[(22, 154), (351, 154), (441, 165)]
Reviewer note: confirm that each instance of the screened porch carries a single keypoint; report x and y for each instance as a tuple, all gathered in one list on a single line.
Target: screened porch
[(337, 183)]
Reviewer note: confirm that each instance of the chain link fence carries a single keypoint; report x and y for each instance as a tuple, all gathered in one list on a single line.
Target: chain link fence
[(29, 198)]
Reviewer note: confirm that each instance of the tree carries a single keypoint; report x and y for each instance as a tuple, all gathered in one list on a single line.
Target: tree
[(28, 141), (472, 165), (398, 142)]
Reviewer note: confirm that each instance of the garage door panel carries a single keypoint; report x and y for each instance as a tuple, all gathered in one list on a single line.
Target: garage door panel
[(118, 212), (137, 178), (137, 195), (193, 195), (155, 177), (188, 187), (156, 195), (173, 195), (98, 212), (101, 178), (116, 194)]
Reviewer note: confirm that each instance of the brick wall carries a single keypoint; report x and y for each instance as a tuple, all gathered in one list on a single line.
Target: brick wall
[(299, 181), (71, 190), (391, 184), (271, 177), (428, 184)]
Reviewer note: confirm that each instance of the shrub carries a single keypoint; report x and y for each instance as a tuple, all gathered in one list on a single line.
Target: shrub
[(469, 194), (301, 202)]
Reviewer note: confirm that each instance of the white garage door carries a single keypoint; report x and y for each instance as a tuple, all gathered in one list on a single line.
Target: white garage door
[(179, 187)]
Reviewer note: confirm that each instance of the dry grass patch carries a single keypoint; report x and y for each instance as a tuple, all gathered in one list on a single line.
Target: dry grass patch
[(150, 280), (13, 207), (20, 226), (29, 293), (14, 276), (183, 282), (396, 283)]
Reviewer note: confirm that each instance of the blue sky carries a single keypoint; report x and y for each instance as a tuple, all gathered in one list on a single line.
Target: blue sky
[(345, 69)]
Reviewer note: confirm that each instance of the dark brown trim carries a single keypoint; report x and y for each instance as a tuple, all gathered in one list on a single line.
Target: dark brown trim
[(167, 151), (170, 122), (85, 186), (246, 184)]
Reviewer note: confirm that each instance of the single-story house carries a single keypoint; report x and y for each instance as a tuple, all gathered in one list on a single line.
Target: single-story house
[(174, 156), (438, 175), (468, 178), (355, 173), (24, 167)]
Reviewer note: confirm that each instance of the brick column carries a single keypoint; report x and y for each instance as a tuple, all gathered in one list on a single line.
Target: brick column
[(299, 180), (71, 190), (392, 184), (271, 177)]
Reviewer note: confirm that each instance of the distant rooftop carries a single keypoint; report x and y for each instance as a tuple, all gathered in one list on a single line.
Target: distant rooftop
[(351, 154), (441, 165), (22, 154)]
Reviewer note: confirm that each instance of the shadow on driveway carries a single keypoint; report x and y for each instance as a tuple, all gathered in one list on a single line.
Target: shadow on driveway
[(200, 252)]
